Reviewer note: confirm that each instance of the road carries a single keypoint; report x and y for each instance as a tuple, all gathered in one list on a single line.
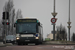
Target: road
[(38, 47)]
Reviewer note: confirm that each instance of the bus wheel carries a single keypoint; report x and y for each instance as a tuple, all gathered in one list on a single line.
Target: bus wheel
[(41, 42), (26, 43), (19, 43), (36, 43), (23, 43)]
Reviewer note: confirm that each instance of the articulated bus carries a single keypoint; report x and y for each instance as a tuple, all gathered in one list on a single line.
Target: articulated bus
[(29, 31)]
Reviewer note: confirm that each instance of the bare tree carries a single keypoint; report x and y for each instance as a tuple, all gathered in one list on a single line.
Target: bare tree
[(12, 25), (18, 14), (1, 27), (61, 33), (73, 37), (9, 8)]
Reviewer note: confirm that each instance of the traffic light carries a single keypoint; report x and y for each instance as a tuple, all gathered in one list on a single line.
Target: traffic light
[(14, 24), (7, 23), (3, 23), (5, 14)]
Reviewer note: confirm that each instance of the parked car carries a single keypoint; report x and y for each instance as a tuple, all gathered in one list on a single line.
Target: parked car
[(10, 39)]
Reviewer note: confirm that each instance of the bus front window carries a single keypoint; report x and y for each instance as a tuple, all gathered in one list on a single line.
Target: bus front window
[(26, 28)]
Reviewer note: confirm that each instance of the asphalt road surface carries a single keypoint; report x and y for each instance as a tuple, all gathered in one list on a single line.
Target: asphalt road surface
[(38, 47)]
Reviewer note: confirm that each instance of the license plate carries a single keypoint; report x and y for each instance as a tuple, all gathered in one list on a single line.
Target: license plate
[(27, 40)]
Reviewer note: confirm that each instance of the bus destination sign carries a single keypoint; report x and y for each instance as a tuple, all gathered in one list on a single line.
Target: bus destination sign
[(26, 20)]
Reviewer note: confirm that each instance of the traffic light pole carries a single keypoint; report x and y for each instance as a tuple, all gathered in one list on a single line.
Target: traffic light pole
[(5, 19), (5, 27)]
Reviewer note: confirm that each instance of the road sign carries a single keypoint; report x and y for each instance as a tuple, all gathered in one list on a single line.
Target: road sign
[(53, 20), (54, 14), (69, 22), (69, 26)]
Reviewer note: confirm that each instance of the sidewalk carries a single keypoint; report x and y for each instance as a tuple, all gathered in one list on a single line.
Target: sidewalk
[(7, 44), (1, 44), (58, 43)]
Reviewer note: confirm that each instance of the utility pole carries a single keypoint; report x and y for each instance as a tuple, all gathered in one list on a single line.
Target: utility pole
[(69, 22), (53, 20)]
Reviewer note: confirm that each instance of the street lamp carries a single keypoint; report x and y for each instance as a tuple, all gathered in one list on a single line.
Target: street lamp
[(69, 22)]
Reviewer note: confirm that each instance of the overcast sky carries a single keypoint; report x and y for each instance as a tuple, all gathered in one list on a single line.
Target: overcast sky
[(42, 9)]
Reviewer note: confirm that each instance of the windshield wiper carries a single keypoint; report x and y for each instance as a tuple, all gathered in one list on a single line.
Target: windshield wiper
[(24, 32)]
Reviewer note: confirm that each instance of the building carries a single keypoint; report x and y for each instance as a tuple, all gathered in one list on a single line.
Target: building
[(51, 35)]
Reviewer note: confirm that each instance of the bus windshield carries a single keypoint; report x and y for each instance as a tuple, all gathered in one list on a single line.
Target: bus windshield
[(26, 28)]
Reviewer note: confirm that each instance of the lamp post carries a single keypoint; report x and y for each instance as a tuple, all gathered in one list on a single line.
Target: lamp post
[(69, 22)]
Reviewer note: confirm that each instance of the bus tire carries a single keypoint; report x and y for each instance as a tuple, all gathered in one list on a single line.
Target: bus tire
[(40, 43), (36, 43), (26, 43), (19, 43)]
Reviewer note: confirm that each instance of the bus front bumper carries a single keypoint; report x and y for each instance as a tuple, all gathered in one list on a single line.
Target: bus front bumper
[(27, 39)]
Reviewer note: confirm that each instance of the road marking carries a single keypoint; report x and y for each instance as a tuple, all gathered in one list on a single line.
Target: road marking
[(63, 47), (45, 47)]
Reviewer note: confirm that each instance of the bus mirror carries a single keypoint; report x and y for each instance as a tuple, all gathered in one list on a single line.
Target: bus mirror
[(14, 24), (38, 23)]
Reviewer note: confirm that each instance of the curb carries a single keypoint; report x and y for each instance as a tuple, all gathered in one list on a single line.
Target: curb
[(4, 45), (57, 43), (1, 44), (9, 44)]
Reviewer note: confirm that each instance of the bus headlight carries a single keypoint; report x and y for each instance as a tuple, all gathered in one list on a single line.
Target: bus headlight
[(17, 38), (37, 38)]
